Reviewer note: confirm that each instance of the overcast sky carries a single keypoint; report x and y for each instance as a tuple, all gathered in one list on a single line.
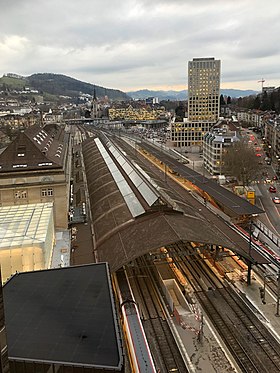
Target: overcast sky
[(134, 44)]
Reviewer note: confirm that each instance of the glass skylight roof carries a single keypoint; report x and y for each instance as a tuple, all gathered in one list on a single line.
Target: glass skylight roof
[(147, 193), (24, 224), (130, 198)]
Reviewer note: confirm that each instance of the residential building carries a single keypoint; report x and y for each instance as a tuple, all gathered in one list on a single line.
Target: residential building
[(215, 143), (35, 168), (272, 138), (15, 121), (268, 90), (251, 117), (152, 100), (53, 116)]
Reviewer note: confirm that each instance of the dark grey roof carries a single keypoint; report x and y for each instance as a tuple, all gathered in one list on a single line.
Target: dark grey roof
[(63, 315), (35, 148), (230, 201)]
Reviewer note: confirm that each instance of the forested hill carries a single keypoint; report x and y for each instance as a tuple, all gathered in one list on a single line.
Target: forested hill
[(57, 84), (264, 101)]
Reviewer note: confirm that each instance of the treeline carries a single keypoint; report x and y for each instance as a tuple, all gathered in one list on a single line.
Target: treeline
[(264, 101)]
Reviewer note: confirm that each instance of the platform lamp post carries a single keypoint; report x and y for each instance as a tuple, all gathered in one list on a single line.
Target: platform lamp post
[(264, 287), (278, 294), (249, 263)]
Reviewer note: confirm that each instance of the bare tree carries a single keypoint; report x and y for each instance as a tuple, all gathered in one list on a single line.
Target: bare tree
[(241, 162)]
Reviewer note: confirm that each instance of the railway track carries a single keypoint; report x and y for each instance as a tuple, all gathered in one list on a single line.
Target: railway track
[(161, 341), (249, 341), (253, 347)]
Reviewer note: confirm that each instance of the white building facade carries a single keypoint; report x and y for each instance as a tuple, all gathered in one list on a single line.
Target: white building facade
[(214, 145)]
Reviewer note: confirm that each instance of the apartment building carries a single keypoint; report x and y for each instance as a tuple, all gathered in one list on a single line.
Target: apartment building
[(215, 143), (252, 117), (272, 137)]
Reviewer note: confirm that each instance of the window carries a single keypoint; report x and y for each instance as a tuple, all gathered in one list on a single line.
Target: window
[(47, 192), (21, 194), (21, 151)]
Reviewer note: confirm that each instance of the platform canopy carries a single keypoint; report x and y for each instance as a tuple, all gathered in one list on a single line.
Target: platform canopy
[(130, 218)]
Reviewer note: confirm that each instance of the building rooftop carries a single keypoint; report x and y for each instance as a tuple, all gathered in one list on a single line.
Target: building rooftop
[(24, 224), (64, 315), (35, 149)]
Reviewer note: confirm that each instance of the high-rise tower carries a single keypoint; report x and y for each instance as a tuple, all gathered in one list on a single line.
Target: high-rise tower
[(204, 90), (203, 104)]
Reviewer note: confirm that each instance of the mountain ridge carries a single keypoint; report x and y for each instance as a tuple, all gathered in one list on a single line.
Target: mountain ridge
[(59, 84), (182, 95)]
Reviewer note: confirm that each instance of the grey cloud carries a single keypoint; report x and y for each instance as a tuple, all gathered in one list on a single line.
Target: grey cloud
[(139, 43)]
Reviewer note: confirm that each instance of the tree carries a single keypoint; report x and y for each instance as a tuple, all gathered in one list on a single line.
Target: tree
[(180, 112), (228, 100), (265, 104), (257, 102), (222, 100), (241, 162)]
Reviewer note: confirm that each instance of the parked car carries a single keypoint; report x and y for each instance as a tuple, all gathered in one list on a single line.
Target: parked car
[(272, 189), (276, 200)]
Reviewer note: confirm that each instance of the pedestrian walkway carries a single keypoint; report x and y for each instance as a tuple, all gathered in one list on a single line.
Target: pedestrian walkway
[(61, 250), (82, 246)]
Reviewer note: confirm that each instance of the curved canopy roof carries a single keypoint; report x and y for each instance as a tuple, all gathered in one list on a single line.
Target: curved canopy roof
[(129, 217)]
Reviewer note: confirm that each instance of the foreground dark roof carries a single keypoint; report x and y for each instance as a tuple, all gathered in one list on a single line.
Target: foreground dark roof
[(63, 315)]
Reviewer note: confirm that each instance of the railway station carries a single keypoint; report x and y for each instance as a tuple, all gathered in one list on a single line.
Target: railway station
[(139, 214), (131, 217)]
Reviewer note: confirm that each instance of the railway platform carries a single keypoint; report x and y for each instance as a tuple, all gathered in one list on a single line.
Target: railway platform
[(265, 312)]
